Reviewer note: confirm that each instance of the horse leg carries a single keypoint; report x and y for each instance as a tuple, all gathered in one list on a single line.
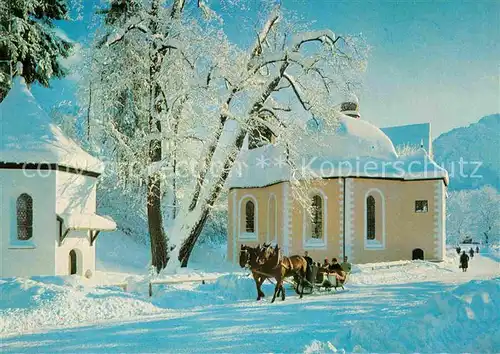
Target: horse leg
[(300, 276), (256, 279), (276, 288), (259, 287), (302, 289), (282, 291)]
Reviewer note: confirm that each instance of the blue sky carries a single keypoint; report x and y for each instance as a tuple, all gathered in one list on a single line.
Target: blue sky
[(431, 61)]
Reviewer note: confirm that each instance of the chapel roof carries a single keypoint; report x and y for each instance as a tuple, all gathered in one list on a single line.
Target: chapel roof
[(350, 148), (27, 135)]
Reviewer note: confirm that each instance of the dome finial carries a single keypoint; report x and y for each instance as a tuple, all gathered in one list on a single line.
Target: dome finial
[(350, 106)]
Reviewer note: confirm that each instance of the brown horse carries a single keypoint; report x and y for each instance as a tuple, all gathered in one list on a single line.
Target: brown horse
[(249, 258), (280, 267)]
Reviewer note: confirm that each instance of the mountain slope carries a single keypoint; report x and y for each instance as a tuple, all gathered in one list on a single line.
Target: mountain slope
[(470, 154)]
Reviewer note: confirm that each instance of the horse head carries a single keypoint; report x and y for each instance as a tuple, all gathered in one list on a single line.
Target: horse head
[(249, 256), (244, 256), (269, 255), (263, 253)]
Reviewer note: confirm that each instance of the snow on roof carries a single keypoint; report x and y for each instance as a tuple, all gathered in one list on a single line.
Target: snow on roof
[(78, 221), (413, 135), (356, 148), (27, 135)]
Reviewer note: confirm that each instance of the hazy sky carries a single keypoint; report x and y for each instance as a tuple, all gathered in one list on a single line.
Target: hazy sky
[(431, 61)]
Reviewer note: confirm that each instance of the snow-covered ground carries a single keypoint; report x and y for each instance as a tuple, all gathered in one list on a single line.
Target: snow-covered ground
[(389, 307)]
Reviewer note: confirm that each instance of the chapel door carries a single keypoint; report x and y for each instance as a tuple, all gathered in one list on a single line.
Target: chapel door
[(72, 262), (417, 254)]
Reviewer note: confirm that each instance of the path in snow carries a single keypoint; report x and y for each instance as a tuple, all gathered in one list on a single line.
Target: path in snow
[(248, 326)]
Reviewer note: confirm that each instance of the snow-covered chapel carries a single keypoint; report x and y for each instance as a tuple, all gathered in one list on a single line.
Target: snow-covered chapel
[(364, 200), (48, 220)]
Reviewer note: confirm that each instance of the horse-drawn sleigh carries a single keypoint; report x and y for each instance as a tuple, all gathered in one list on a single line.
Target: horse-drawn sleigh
[(267, 262)]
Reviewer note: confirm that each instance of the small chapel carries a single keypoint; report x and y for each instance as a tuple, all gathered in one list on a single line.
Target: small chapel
[(48, 219), (363, 200)]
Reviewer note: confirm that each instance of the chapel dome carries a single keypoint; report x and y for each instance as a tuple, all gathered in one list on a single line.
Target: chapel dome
[(349, 139), (27, 135)]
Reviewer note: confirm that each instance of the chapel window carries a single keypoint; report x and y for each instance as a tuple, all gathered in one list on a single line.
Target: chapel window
[(421, 206), (24, 212), (370, 218), (250, 216), (317, 217)]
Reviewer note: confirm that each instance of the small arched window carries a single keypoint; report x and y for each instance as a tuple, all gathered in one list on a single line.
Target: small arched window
[(370, 218), (24, 212), (317, 217), (250, 216)]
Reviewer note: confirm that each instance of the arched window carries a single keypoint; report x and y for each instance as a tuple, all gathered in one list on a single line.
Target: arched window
[(249, 216), (370, 218), (24, 211), (317, 217)]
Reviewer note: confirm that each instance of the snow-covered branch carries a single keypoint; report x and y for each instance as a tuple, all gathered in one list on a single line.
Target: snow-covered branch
[(298, 92), (324, 36), (271, 22), (117, 36)]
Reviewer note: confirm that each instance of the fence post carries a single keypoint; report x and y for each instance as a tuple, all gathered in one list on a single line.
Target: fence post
[(150, 289)]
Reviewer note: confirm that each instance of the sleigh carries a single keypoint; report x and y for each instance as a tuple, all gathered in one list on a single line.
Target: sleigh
[(319, 280)]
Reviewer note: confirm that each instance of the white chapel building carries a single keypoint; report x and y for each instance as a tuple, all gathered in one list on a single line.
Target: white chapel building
[(48, 220)]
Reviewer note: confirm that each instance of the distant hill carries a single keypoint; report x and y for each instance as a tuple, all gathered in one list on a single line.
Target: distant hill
[(479, 142)]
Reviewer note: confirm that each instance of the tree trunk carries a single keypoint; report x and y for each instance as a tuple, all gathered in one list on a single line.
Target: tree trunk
[(188, 245), (159, 249), (197, 228), (89, 110), (158, 240)]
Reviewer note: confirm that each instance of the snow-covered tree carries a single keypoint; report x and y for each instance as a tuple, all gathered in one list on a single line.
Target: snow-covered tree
[(175, 101), (286, 67), (485, 203), (458, 217), (474, 214), (27, 36), (149, 75)]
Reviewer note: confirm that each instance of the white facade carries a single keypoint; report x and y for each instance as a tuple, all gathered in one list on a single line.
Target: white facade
[(48, 220), (35, 256)]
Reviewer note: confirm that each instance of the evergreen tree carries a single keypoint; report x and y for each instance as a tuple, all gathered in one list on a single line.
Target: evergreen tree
[(27, 36)]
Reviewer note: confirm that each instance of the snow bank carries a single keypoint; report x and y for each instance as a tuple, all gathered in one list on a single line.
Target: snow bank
[(396, 272), (226, 289), (317, 347), (464, 320), (41, 302), (47, 302)]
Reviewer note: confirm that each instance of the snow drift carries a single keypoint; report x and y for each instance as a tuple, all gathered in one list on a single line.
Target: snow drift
[(464, 320)]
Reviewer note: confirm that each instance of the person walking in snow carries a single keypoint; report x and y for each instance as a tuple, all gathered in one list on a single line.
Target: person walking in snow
[(458, 249), (477, 249), (471, 252), (464, 261)]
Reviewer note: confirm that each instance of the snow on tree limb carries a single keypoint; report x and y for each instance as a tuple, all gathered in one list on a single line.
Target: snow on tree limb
[(118, 35), (177, 8), (262, 37), (324, 36), (298, 92)]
